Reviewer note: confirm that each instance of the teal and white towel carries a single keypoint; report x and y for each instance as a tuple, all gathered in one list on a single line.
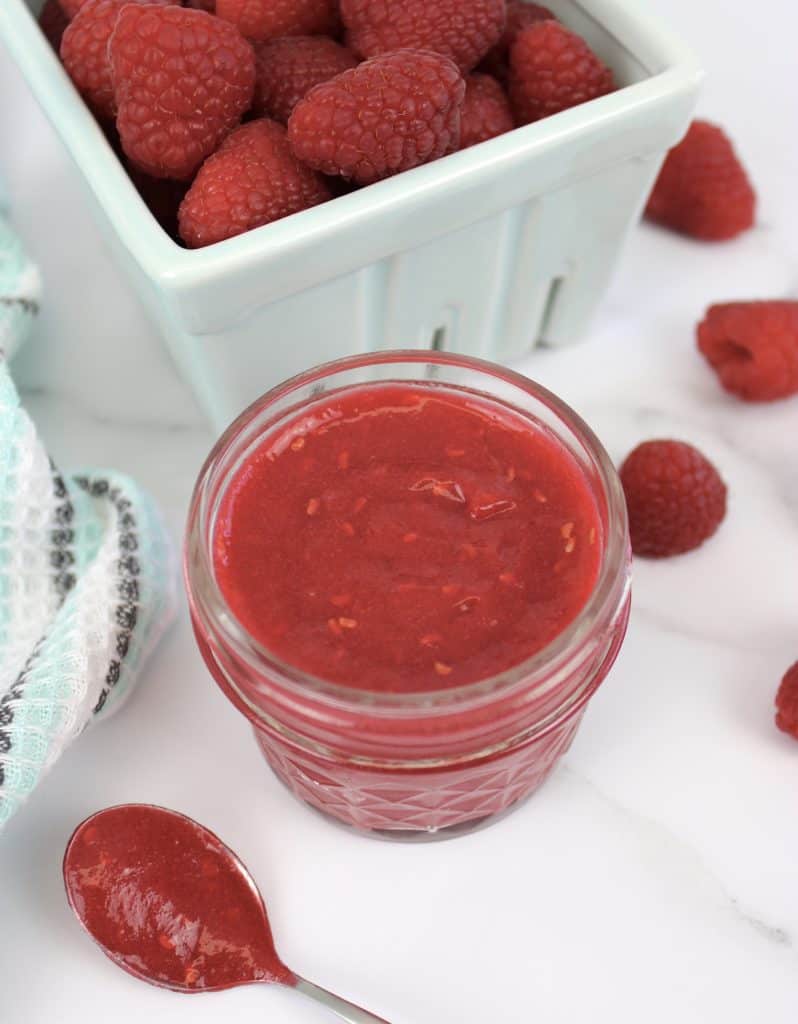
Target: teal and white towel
[(87, 580), (19, 289)]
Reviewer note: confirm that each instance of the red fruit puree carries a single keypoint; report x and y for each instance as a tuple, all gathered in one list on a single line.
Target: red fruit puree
[(403, 538), (165, 899)]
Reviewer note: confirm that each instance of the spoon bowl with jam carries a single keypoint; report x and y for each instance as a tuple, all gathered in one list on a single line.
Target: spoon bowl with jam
[(171, 904)]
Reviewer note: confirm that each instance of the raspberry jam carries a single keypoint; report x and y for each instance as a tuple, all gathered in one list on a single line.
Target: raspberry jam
[(168, 901), (410, 572), (404, 538)]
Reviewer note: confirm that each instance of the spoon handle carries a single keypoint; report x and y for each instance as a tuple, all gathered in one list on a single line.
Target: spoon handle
[(342, 1008)]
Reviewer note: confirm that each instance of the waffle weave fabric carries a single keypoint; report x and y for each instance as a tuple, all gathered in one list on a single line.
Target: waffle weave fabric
[(87, 575)]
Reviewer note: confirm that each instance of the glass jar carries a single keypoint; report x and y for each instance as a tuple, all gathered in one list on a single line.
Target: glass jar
[(417, 765)]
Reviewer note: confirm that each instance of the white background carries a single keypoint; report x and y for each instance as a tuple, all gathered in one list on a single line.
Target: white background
[(655, 877)]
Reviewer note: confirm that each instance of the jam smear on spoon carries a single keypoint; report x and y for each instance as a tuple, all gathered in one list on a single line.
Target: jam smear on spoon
[(168, 902)]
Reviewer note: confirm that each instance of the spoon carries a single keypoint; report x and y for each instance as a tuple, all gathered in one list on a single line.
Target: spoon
[(169, 903)]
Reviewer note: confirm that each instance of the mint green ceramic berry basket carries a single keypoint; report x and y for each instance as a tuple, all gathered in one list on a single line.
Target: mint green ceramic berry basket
[(488, 252)]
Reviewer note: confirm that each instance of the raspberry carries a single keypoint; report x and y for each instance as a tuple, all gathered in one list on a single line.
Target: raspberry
[(675, 498), (384, 116), (288, 68), (182, 80), (252, 179), (52, 22), (552, 69), (787, 702), (753, 348), (703, 189), (209, 6), (464, 30), (84, 51), (260, 20), (486, 111), (520, 15)]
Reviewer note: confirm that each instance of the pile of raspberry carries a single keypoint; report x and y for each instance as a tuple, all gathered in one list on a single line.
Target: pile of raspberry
[(229, 114)]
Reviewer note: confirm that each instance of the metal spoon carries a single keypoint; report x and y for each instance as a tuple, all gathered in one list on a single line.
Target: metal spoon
[(168, 902)]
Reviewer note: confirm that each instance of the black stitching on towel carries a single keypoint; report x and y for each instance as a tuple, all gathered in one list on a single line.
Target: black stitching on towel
[(127, 587), (62, 560), (62, 538), (26, 305), (7, 712)]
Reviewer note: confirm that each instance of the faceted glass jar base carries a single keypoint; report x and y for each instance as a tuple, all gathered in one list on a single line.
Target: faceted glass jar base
[(419, 806)]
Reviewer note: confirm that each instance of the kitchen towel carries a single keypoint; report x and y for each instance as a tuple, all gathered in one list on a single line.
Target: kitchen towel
[(87, 576), (19, 288)]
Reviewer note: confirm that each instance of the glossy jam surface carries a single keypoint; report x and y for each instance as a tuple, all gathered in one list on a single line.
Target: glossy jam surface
[(407, 537), (166, 900)]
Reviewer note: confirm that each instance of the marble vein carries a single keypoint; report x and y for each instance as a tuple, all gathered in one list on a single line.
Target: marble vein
[(665, 837)]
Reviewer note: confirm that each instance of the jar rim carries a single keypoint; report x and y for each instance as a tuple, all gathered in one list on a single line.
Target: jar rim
[(606, 600)]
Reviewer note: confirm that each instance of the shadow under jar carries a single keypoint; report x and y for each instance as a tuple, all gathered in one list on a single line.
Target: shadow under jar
[(440, 750)]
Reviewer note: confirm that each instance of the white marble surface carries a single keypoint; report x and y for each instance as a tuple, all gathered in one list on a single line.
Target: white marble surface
[(656, 876)]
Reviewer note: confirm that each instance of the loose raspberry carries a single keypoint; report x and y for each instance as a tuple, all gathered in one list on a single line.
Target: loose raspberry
[(520, 15), (182, 79), (486, 111), (552, 69), (787, 702), (252, 179), (464, 30), (384, 116), (288, 68), (260, 20), (84, 51), (703, 189), (52, 21), (753, 348), (675, 498)]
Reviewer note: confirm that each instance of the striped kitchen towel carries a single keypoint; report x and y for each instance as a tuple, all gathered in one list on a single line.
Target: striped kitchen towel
[(87, 576)]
